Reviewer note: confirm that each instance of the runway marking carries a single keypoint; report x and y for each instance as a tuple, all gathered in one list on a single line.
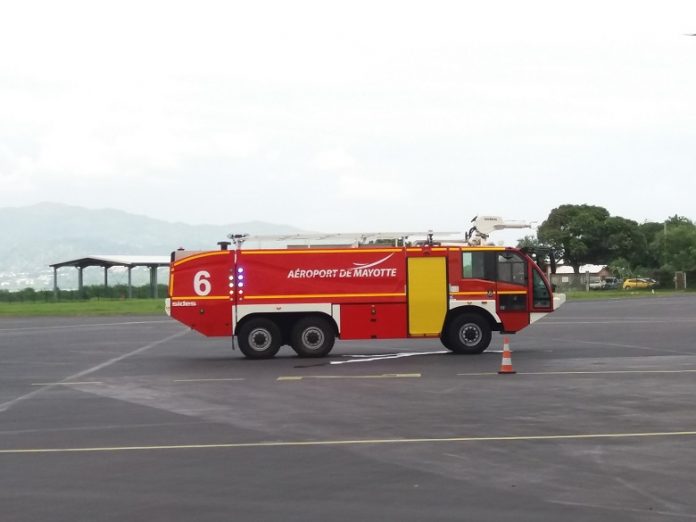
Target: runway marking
[(634, 321), (625, 509), (619, 345), (64, 383), (211, 380), (582, 372), (388, 356), (8, 404), (72, 327), (383, 376), (355, 442)]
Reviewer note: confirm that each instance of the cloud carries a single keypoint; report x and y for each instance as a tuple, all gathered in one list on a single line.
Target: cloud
[(334, 159), (372, 187), (372, 101)]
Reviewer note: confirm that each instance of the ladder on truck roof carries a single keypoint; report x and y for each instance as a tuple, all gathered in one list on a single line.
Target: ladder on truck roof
[(353, 238), (479, 232)]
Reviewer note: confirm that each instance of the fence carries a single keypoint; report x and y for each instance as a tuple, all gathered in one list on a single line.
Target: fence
[(568, 282)]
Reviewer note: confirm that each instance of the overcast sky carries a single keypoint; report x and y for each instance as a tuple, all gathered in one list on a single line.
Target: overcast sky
[(348, 116)]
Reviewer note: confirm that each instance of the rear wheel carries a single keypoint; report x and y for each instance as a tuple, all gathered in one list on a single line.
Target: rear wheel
[(467, 334), (259, 338), (312, 337)]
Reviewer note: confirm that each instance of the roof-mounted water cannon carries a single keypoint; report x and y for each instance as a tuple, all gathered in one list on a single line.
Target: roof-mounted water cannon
[(238, 239), (483, 226)]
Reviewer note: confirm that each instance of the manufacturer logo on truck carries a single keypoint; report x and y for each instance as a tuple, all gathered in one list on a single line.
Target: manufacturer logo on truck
[(359, 270)]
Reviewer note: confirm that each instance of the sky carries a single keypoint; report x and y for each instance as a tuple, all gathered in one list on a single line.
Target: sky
[(350, 116)]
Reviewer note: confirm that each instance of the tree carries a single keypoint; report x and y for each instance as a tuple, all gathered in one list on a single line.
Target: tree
[(544, 255), (652, 255), (578, 232), (623, 238), (677, 244)]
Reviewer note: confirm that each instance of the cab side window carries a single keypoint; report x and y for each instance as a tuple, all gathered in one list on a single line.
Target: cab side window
[(512, 269), (472, 265), (478, 265)]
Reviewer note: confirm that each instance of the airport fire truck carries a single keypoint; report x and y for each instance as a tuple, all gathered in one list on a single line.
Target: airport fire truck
[(308, 297)]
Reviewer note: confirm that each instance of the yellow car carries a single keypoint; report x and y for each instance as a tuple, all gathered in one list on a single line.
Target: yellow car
[(639, 282)]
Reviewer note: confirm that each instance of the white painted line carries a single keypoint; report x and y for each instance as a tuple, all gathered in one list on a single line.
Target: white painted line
[(356, 442), (372, 358), (85, 325), (621, 321), (64, 383), (210, 380), (382, 376), (619, 345), (8, 404)]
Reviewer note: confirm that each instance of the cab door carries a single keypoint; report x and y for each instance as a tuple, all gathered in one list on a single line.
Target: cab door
[(427, 295), (512, 290)]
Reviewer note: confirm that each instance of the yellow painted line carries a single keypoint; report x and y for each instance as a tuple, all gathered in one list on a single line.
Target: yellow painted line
[(512, 292), (200, 256), (64, 383), (317, 296), (382, 376), (471, 293), (355, 442), (595, 372), (608, 372), (318, 251), (200, 298), (210, 380)]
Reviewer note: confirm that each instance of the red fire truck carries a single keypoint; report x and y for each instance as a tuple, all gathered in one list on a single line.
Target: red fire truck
[(309, 297)]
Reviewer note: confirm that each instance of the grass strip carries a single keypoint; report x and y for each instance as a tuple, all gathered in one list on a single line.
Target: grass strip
[(91, 307), (575, 295)]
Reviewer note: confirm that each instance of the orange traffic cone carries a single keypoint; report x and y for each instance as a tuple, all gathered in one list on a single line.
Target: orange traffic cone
[(506, 364)]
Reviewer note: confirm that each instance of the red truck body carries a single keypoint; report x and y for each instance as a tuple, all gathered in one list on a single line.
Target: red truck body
[(307, 297)]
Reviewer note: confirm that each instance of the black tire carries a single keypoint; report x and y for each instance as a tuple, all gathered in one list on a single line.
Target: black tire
[(312, 336), (467, 334), (259, 338)]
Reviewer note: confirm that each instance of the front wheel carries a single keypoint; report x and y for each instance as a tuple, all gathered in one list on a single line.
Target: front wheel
[(312, 337), (467, 334), (259, 338)]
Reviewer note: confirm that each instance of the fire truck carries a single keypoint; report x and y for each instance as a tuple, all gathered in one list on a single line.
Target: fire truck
[(307, 297)]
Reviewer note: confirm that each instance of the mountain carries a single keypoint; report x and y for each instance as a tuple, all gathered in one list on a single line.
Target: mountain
[(33, 237)]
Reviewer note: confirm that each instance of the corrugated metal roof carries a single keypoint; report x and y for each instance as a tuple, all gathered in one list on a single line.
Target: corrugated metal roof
[(115, 260), (592, 269)]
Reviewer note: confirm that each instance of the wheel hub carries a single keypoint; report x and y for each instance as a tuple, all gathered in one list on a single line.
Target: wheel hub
[(470, 334), (259, 339), (313, 338)]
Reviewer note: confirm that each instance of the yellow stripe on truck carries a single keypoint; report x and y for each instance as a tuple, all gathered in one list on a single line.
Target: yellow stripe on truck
[(315, 296)]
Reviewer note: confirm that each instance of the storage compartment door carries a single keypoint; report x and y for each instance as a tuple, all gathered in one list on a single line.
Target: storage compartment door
[(427, 295)]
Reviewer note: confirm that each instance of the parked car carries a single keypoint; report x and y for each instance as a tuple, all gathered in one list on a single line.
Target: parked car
[(639, 282), (611, 283), (608, 283)]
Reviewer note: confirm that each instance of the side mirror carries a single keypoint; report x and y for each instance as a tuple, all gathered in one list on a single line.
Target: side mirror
[(553, 287)]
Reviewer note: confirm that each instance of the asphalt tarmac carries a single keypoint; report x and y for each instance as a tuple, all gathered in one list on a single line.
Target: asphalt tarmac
[(118, 418)]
